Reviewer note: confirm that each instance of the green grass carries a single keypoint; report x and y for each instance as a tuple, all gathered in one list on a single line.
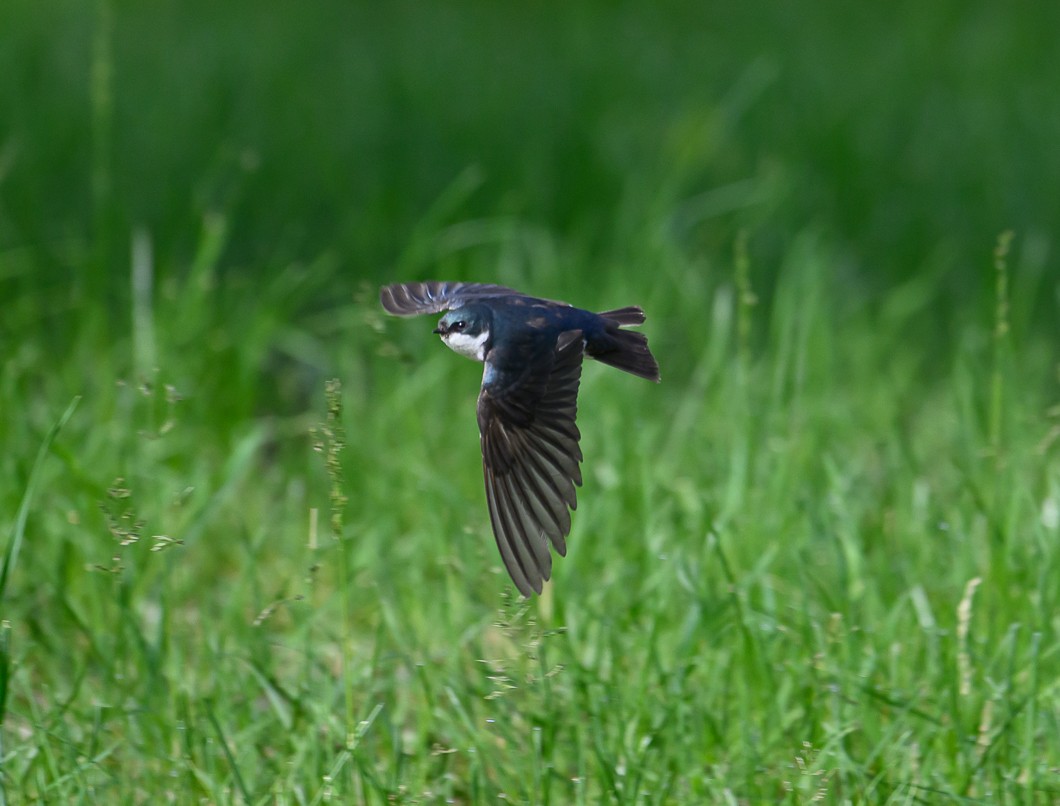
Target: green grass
[(820, 560)]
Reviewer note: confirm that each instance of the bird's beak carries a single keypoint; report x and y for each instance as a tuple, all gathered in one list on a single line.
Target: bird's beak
[(439, 330)]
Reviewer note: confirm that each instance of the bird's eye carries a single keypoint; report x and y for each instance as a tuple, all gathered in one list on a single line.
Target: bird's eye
[(459, 325)]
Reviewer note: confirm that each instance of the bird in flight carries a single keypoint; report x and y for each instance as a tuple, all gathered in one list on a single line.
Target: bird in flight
[(533, 350)]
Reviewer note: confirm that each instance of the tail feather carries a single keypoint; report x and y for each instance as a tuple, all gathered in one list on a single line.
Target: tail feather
[(626, 350), (630, 315)]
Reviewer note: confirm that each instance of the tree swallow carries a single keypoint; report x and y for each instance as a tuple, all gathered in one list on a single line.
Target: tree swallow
[(533, 350)]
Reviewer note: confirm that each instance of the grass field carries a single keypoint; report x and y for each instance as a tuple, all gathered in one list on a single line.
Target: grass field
[(246, 553)]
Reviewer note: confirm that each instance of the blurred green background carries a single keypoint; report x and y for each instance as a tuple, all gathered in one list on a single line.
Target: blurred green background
[(198, 202), (908, 135)]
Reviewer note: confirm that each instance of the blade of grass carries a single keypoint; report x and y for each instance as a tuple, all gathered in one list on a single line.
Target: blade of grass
[(15, 544), (240, 783)]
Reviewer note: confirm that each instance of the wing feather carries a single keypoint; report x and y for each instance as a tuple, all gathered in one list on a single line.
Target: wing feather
[(550, 510), (531, 459), (413, 299), (512, 561), (527, 525)]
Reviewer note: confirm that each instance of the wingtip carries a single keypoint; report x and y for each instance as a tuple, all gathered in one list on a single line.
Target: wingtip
[(386, 298), (398, 299)]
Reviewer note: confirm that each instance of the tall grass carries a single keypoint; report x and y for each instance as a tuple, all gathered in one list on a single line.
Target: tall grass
[(808, 578), (819, 561)]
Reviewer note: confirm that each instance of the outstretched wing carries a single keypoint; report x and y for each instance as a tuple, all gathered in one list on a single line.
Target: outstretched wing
[(413, 299), (530, 457)]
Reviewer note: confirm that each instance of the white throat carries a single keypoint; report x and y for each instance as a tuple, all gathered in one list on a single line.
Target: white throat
[(474, 347)]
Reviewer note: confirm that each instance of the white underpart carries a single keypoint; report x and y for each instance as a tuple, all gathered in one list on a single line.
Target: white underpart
[(473, 347)]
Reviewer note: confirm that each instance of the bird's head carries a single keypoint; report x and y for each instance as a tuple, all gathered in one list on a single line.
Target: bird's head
[(466, 331)]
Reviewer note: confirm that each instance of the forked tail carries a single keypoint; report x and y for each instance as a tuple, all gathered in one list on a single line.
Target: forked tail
[(630, 315), (625, 349)]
